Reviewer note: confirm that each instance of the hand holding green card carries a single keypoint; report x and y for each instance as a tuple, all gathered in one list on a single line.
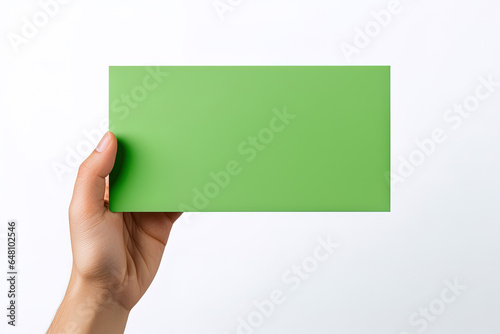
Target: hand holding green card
[(250, 138)]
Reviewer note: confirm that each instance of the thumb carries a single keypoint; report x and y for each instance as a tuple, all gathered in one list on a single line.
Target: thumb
[(90, 185)]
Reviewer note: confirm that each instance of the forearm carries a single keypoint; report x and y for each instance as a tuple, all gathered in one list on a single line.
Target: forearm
[(86, 309)]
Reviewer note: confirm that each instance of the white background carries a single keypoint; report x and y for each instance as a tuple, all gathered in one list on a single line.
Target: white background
[(444, 222)]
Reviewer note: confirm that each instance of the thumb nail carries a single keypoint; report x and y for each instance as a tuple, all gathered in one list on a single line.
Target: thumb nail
[(104, 143)]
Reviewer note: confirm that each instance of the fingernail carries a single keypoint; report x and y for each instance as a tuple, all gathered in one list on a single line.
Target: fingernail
[(103, 144)]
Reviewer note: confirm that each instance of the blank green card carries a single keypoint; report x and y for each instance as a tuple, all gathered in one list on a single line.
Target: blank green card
[(250, 138)]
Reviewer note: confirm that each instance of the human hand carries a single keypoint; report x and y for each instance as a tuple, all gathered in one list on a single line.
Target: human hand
[(115, 255)]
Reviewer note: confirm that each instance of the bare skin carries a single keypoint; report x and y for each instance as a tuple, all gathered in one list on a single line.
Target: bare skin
[(115, 255)]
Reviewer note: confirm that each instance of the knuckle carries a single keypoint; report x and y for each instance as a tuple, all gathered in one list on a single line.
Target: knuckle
[(74, 212), (84, 169)]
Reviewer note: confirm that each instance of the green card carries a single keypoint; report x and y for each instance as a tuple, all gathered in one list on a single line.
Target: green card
[(250, 138)]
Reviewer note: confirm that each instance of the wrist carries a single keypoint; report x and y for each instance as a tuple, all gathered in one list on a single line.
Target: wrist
[(88, 308), (93, 296)]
